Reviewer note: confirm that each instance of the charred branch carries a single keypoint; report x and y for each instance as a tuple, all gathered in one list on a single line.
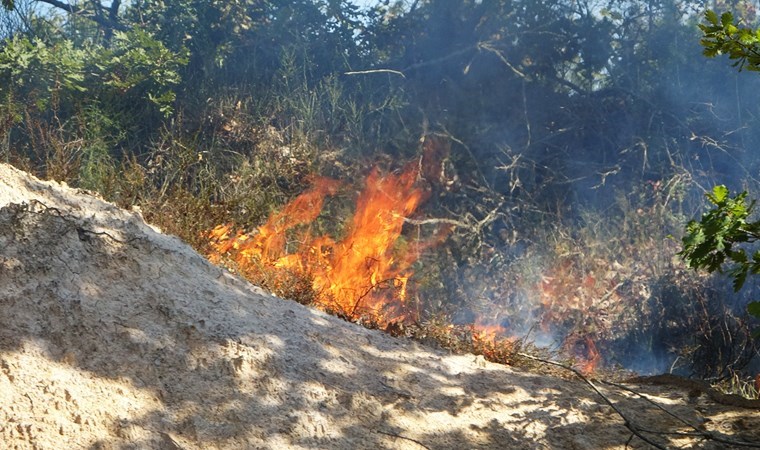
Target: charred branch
[(697, 431), (701, 387)]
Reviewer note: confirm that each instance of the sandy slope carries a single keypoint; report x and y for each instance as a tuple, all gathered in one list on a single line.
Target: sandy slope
[(113, 335)]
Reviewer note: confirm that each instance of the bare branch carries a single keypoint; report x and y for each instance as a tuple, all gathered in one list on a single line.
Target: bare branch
[(487, 46), (637, 430), (110, 22), (474, 226), (366, 72), (627, 422), (697, 431), (432, 62)]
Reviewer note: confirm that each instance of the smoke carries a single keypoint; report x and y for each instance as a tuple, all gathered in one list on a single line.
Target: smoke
[(567, 146), (599, 148)]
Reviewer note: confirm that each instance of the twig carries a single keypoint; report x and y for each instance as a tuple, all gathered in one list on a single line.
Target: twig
[(637, 430), (436, 221), (431, 62), (367, 72), (446, 134), (367, 292), (627, 422), (415, 66), (83, 233), (712, 393), (403, 437), (611, 291), (488, 47), (706, 436), (697, 432), (655, 404), (476, 227)]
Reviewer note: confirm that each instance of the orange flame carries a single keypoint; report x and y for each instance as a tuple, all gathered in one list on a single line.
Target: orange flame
[(492, 341), (486, 332), (579, 291), (592, 357), (366, 259), (364, 274)]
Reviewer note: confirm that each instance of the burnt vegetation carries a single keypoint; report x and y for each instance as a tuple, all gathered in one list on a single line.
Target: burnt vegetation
[(559, 149)]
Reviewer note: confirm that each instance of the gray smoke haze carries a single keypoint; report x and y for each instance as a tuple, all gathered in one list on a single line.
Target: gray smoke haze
[(600, 127)]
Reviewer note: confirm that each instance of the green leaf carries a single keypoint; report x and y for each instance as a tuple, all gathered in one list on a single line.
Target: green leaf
[(710, 52), (719, 194), (726, 19), (746, 37), (740, 277), (739, 256), (754, 309), (711, 17)]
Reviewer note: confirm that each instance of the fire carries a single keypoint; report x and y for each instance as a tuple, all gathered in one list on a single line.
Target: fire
[(270, 240), (576, 298), (364, 274), (492, 341), (592, 357), (367, 258), (487, 332)]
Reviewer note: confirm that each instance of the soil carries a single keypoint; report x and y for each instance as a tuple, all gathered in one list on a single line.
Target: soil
[(116, 336)]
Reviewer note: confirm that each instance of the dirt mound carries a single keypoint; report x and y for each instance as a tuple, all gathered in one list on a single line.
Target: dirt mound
[(113, 335)]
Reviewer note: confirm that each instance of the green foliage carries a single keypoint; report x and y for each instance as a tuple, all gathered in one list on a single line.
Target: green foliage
[(135, 63), (710, 242), (70, 108), (41, 72), (722, 36), (97, 167), (754, 308), (720, 237), (139, 62)]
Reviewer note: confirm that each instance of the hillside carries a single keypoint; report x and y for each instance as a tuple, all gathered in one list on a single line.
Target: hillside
[(114, 335)]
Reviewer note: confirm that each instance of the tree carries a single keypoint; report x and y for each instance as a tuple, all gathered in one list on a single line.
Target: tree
[(719, 241), (105, 15)]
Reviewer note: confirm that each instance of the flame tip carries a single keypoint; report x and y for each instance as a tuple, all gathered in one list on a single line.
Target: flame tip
[(367, 260)]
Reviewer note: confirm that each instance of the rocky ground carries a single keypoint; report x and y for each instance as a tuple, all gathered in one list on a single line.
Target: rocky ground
[(115, 336)]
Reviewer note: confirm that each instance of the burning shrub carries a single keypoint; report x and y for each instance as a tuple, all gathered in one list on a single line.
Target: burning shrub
[(605, 290), (363, 274), (489, 341)]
